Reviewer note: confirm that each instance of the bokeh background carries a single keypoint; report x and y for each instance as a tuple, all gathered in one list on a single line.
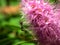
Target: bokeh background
[(13, 27)]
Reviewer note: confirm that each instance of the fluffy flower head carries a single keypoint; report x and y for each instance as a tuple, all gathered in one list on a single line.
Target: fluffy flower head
[(45, 20), (37, 8)]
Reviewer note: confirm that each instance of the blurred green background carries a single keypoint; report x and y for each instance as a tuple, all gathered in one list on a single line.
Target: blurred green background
[(13, 27)]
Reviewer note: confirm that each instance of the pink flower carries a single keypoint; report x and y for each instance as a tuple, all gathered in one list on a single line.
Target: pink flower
[(44, 19), (34, 7)]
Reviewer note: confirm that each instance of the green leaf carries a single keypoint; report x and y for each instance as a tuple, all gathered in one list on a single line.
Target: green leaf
[(14, 21), (53, 1), (12, 35), (18, 42), (2, 2), (27, 43)]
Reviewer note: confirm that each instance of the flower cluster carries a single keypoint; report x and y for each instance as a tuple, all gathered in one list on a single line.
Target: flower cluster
[(44, 19), (36, 8)]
